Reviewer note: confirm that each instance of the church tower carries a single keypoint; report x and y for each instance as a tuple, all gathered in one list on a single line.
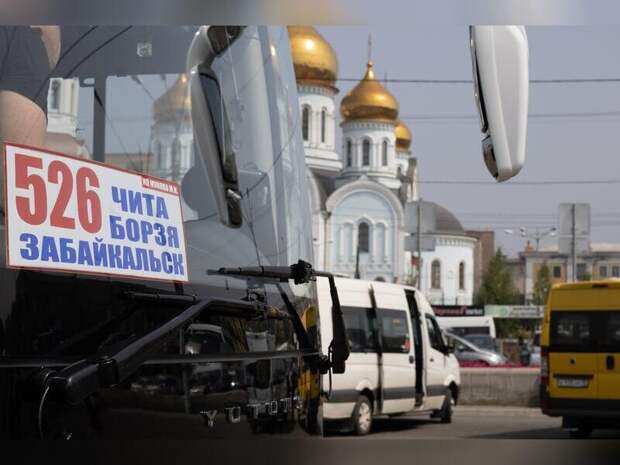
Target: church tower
[(316, 71), (369, 118)]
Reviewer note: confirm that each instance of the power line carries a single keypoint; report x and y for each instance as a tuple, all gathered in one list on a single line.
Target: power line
[(469, 81), (524, 183)]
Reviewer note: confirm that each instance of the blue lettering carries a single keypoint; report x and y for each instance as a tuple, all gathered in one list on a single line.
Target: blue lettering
[(173, 236), (49, 252), (146, 229), (160, 236), (154, 262), (149, 203), (177, 263), (31, 252), (142, 260), (166, 258), (116, 230), (120, 196), (114, 254), (67, 254), (133, 230), (128, 262), (161, 208), (100, 251), (135, 202), (84, 255)]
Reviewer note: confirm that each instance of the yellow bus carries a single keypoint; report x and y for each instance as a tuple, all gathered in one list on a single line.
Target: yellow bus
[(580, 356)]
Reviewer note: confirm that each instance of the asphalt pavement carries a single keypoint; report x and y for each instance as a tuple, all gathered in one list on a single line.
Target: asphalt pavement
[(477, 422)]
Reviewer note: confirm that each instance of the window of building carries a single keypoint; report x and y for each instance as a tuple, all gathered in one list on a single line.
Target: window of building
[(602, 271), (436, 275), (557, 272), (323, 118), (462, 275), (305, 123), (349, 153), (384, 153), (366, 153), (381, 249), (615, 271), (394, 331), (359, 329), (54, 100), (363, 236), (581, 271)]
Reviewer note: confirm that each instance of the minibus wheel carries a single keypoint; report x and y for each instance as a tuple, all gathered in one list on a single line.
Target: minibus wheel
[(445, 414), (362, 416)]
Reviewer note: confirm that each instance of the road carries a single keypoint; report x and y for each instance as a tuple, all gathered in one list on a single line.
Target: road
[(478, 422)]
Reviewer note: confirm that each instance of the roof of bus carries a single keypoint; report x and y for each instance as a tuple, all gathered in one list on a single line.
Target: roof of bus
[(612, 283)]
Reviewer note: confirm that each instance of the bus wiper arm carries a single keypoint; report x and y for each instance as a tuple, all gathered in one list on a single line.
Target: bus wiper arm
[(76, 382)]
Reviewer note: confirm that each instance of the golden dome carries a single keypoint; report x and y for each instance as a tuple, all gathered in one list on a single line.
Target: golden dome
[(403, 136), (369, 100), (176, 99), (314, 59)]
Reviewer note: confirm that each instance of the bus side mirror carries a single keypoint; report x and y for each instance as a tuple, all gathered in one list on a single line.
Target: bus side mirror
[(210, 121), (500, 69)]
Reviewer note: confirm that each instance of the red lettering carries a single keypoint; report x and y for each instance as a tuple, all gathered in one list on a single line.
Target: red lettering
[(88, 200), (23, 180), (58, 217)]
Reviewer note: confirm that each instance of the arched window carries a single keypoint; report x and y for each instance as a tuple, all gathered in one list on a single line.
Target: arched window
[(305, 123), (462, 275), (366, 153), (323, 118), (158, 155), (384, 153), (349, 153), (436, 275), (54, 102), (363, 237), (381, 248)]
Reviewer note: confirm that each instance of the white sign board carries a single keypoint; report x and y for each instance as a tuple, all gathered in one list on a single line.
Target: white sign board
[(76, 215), (582, 219), (427, 213), (565, 245), (427, 243)]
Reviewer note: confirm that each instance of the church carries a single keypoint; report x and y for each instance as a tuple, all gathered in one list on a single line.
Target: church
[(359, 191)]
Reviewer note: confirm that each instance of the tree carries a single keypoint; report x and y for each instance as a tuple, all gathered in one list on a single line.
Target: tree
[(497, 286), (542, 284)]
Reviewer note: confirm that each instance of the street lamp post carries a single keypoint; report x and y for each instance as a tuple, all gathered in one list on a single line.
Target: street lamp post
[(536, 234)]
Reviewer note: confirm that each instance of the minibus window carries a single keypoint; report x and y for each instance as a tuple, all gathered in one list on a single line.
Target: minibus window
[(611, 339), (394, 331), (359, 333), (571, 331)]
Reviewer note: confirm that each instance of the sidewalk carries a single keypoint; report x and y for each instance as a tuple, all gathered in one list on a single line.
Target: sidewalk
[(495, 411)]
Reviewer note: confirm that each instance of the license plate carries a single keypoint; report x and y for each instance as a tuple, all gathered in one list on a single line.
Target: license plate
[(573, 382)]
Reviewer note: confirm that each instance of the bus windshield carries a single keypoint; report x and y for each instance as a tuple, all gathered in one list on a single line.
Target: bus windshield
[(120, 95)]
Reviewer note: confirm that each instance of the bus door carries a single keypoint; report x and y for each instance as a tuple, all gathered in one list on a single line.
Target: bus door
[(396, 339), (608, 363)]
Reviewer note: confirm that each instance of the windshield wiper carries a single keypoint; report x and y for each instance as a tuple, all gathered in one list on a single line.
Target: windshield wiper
[(301, 273), (78, 381)]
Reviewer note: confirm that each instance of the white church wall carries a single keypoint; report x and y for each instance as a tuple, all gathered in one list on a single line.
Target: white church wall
[(450, 251), (321, 155), (383, 258), (375, 132)]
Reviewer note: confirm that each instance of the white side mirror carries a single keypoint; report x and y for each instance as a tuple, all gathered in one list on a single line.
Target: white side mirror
[(501, 84)]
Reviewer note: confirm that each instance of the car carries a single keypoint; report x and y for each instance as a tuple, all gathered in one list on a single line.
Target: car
[(484, 341), (468, 353)]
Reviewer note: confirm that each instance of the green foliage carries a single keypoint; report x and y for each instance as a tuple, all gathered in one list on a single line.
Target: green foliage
[(497, 287), (542, 284)]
